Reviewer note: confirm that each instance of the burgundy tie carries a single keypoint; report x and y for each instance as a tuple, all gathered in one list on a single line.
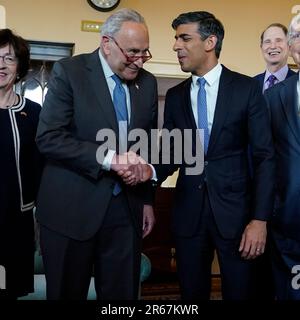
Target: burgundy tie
[(271, 80)]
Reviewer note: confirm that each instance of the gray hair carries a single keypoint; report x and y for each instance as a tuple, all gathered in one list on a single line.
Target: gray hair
[(114, 22), (294, 25)]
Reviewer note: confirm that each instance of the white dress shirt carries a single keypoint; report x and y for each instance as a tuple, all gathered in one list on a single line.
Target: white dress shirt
[(108, 73), (211, 87)]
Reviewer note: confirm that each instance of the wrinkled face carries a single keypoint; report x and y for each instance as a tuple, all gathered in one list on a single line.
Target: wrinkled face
[(192, 51), (8, 67), (295, 47), (131, 40), (275, 47)]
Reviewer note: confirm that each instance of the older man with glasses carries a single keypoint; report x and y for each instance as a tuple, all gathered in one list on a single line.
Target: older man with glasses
[(90, 220), (283, 102)]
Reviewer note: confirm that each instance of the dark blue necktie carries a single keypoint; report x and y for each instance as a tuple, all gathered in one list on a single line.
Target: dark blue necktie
[(119, 100), (202, 112), (271, 80)]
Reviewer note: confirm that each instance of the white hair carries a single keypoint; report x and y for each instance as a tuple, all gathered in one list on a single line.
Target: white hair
[(114, 22), (293, 27)]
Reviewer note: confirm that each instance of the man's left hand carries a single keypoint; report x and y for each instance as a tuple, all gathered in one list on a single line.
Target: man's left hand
[(148, 219), (253, 239)]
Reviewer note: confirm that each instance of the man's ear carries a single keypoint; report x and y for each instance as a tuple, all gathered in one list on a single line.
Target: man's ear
[(211, 42), (105, 45)]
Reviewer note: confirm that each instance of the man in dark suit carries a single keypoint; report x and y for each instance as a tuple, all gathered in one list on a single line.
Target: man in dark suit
[(275, 51), (274, 48), (283, 102), (90, 221), (217, 209)]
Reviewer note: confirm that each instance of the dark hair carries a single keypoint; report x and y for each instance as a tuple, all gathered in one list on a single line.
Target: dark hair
[(21, 48), (207, 25), (275, 24)]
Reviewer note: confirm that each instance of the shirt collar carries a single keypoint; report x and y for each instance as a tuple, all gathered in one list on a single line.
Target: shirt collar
[(106, 68), (279, 74), (211, 76)]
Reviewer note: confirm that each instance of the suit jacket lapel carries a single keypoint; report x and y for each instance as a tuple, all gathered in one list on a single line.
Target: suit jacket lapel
[(98, 83), (187, 105), (135, 102), (221, 110), (288, 95)]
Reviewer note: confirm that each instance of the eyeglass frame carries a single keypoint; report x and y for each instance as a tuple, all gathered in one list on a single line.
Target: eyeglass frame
[(134, 58), (13, 61), (294, 36)]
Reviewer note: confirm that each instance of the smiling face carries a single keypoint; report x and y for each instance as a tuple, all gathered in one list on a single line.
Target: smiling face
[(132, 38), (274, 48), (8, 73), (194, 54)]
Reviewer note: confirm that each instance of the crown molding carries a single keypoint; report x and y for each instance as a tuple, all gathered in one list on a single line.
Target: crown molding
[(165, 68)]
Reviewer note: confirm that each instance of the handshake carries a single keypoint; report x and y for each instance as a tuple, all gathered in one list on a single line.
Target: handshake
[(132, 168)]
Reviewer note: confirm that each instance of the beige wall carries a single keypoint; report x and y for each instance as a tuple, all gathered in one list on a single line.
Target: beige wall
[(60, 20)]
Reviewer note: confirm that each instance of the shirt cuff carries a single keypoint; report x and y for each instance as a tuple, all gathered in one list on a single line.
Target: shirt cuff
[(154, 176), (108, 160)]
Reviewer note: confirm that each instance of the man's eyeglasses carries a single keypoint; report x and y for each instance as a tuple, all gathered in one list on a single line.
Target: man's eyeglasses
[(9, 60), (295, 36), (132, 56)]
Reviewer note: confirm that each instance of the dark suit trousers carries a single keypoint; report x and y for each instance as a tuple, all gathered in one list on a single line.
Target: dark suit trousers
[(112, 255), (195, 255)]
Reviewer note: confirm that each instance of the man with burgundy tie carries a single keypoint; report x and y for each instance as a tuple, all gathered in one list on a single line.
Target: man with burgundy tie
[(91, 222), (217, 209), (275, 51), (284, 104)]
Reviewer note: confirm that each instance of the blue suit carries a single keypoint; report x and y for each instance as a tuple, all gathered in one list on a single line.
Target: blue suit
[(283, 104)]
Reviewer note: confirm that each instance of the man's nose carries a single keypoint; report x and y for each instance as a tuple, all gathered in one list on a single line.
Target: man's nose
[(2, 64), (139, 62), (273, 44), (176, 45)]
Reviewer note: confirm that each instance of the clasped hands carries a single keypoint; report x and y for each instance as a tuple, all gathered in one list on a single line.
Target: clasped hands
[(132, 168)]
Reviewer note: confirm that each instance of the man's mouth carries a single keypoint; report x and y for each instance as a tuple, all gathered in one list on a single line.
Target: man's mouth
[(180, 58), (3, 74), (274, 53)]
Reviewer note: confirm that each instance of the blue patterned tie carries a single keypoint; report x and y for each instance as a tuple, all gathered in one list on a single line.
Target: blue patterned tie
[(202, 112), (119, 100), (271, 80)]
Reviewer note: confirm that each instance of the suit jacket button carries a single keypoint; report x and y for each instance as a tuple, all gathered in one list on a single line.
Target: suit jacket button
[(205, 163), (200, 186)]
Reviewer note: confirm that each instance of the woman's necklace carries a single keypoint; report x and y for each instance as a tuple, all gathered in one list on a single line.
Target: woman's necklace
[(12, 102)]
